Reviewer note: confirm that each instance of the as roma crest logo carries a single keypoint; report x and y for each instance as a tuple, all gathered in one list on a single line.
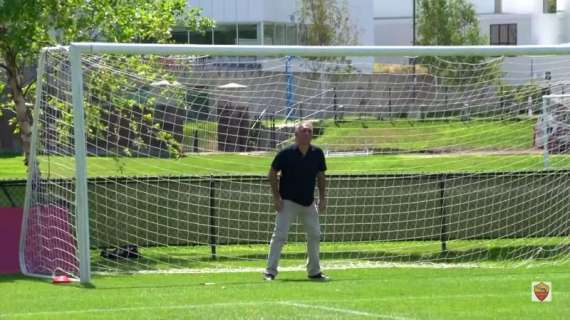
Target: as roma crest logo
[(541, 291)]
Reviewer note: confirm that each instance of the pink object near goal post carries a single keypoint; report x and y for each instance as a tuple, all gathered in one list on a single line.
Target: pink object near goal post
[(9, 239), (50, 244)]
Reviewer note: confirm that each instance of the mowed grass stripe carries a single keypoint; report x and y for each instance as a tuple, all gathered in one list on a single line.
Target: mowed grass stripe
[(218, 164), (410, 135)]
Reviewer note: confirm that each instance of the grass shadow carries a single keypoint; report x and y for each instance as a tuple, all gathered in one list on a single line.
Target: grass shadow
[(499, 254), (154, 260)]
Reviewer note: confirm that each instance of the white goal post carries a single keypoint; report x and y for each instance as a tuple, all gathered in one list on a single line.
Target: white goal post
[(470, 107)]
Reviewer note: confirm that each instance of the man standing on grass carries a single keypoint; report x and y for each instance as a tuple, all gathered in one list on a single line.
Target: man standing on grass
[(300, 165)]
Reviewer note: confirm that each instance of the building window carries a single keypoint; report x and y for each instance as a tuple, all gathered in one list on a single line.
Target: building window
[(280, 34), (248, 34), (222, 34), (206, 37), (503, 34), (180, 36), (225, 34), (549, 6)]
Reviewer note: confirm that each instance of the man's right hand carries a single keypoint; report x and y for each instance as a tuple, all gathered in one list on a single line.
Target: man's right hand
[(278, 203)]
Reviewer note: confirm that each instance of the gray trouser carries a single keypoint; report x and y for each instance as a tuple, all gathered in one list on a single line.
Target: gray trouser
[(310, 220)]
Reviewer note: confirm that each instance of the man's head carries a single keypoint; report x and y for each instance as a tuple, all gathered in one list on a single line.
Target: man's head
[(303, 133)]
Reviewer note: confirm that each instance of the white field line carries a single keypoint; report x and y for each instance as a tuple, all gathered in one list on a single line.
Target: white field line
[(343, 310), (264, 303), (257, 304), (198, 306), (129, 309)]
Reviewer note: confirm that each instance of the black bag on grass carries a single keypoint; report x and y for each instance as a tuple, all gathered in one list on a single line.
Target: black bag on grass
[(127, 251)]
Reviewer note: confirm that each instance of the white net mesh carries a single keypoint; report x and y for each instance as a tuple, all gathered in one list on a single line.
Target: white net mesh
[(435, 159)]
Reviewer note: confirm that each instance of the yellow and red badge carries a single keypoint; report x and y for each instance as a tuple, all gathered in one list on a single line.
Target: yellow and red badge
[(541, 291)]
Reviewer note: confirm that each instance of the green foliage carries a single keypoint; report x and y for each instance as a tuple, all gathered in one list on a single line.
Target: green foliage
[(325, 23), (453, 22), (519, 96), (28, 25), (448, 22), (3, 95)]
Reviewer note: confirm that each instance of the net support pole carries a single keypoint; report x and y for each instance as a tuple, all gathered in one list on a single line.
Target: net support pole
[(273, 142), (33, 167), (544, 125), (81, 205), (212, 222), (289, 97), (443, 212)]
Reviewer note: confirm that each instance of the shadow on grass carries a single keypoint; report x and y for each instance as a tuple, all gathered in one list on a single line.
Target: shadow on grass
[(5, 278), (499, 254), (22, 278), (154, 260), (150, 261), (307, 280), (10, 155)]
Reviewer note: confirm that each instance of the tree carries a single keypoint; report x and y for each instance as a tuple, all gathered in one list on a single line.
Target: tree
[(326, 23), (454, 22), (448, 22), (28, 25)]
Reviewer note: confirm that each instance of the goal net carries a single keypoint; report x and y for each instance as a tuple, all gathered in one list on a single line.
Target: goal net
[(154, 157)]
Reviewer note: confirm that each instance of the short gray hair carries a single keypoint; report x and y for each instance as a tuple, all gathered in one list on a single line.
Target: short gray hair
[(307, 124)]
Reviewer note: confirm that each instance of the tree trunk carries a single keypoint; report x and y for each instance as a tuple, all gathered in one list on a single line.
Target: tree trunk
[(22, 113)]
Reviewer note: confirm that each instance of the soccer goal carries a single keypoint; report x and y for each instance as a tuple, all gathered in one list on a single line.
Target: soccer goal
[(153, 158)]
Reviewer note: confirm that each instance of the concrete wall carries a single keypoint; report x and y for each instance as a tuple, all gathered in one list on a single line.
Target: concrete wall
[(363, 16), (526, 6), (549, 28), (393, 32), (224, 11), (523, 22), (399, 9), (372, 93)]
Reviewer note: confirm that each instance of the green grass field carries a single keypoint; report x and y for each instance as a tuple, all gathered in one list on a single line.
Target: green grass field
[(412, 135), (470, 146), (404, 135), (13, 168), (458, 288), (397, 289), (384, 293)]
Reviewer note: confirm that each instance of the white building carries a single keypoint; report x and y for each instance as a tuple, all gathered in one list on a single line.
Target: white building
[(505, 22), (389, 22), (265, 22), (379, 22), (502, 22)]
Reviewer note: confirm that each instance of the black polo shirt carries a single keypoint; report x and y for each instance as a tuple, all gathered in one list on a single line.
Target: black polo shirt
[(299, 173)]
